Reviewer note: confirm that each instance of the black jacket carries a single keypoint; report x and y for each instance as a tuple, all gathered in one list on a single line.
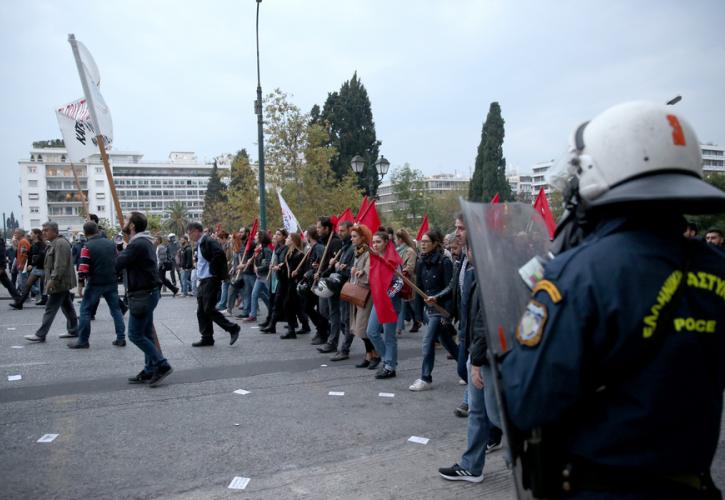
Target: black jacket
[(101, 261), (214, 254), (433, 274), (36, 256), (187, 259), (335, 246), (139, 261), (452, 291), (476, 329), (262, 261)]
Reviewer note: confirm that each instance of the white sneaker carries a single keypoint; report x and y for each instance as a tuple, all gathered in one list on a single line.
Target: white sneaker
[(420, 385), (34, 338), (462, 382)]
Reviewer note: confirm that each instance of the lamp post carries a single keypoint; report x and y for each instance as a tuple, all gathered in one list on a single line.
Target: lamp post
[(381, 166), (674, 100), (260, 139)]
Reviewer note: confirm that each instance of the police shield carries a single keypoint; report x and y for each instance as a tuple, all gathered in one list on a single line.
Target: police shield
[(509, 243)]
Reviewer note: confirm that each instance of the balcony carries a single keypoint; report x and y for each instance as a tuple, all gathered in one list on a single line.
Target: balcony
[(65, 196)]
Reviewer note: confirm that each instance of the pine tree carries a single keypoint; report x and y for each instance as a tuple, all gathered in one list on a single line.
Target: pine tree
[(242, 174), (351, 128), (489, 176), (215, 195)]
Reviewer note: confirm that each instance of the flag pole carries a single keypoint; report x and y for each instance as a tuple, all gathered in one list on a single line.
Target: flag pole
[(99, 135), (84, 200)]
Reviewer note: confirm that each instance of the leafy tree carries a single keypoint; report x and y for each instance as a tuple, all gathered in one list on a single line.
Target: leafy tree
[(155, 224), (215, 194), (443, 207), (410, 190), (52, 143), (178, 218), (286, 133), (489, 175), (242, 174), (351, 128)]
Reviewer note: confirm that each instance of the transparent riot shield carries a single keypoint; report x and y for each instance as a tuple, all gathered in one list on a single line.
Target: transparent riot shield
[(508, 242)]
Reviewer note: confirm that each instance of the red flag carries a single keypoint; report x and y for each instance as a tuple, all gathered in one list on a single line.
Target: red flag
[(541, 205), (382, 270), (423, 228), (363, 208), (252, 234), (370, 217), (496, 198), (334, 220), (346, 216)]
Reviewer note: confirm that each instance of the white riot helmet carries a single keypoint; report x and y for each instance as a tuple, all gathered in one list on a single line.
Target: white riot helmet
[(636, 152), (171, 236)]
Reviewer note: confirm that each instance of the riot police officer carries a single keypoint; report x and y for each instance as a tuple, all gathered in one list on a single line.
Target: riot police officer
[(619, 361)]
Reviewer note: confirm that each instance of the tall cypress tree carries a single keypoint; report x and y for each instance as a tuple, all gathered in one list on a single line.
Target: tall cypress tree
[(349, 116), (215, 194), (489, 176)]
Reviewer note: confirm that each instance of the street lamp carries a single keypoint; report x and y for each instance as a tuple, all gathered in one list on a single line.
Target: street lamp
[(674, 100), (260, 139), (381, 166)]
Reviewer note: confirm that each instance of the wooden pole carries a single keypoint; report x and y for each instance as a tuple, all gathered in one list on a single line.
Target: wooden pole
[(84, 200), (109, 177), (420, 292)]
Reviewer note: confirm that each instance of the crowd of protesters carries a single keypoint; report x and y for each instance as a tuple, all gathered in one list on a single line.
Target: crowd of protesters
[(327, 277)]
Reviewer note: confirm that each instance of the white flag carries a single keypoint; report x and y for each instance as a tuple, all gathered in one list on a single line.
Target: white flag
[(75, 125), (288, 218), (91, 80)]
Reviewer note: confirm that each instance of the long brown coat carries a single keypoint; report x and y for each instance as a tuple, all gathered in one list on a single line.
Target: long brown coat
[(359, 316)]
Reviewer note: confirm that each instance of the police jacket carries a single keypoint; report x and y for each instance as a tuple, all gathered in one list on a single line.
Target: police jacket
[(621, 348), (433, 274), (139, 261)]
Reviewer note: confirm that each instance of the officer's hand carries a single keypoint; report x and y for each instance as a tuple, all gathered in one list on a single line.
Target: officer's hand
[(476, 377)]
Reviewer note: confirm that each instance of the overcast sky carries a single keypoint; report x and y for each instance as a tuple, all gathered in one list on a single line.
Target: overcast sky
[(181, 75)]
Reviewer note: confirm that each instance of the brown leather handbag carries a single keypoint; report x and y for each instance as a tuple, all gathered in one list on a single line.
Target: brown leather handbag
[(354, 294)]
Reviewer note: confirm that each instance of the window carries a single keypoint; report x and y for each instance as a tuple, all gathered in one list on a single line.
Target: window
[(33, 183), (34, 222), (100, 196), (34, 210), (99, 170), (62, 157), (100, 208), (99, 183), (32, 169), (33, 196)]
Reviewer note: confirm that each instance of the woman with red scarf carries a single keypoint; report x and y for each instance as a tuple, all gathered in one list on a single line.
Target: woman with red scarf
[(385, 285)]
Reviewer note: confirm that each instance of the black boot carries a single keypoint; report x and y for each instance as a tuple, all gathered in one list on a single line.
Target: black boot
[(289, 335), (271, 328)]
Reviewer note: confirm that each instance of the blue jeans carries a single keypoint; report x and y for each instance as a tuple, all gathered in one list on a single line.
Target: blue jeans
[(222, 304), (194, 282), (490, 395), (387, 344), (91, 297), (462, 361), (140, 332), (478, 430), (259, 291), (185, 282), (435, 330), (249, 281)]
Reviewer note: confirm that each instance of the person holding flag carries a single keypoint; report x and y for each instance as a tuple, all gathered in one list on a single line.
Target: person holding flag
[(385, 286)]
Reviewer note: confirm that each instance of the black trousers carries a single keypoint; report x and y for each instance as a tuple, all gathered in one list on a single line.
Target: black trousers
[(5, 280), (310, 302), (207, 296)]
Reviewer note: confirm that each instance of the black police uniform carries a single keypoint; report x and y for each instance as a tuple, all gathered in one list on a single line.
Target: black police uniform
[(636, 404)]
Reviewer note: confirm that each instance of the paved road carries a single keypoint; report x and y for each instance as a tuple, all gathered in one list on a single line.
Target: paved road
[(190, 437)]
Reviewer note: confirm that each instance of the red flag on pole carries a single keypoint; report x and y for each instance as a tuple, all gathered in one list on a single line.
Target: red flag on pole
[(346, 216), (541, 205), (424, 228), (370, 217), (496, 198), (382, 270), (362, 209), (252, 234), (334, 220)]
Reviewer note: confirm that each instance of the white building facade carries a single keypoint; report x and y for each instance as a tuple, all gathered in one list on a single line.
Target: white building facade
[(713, 159), (50, 190), (434, 184)]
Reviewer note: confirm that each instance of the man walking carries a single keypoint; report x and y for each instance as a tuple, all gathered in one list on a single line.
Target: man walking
[(98, 269), (4, 278), (60, 279), (187, 266), (172, 248), (211, 270), (138, 260)]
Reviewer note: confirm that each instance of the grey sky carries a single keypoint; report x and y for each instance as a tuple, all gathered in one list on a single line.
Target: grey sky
[(181, 75)]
